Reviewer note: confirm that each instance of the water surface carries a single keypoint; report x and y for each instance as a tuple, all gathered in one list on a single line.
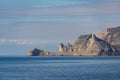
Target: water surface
[(59, 68)]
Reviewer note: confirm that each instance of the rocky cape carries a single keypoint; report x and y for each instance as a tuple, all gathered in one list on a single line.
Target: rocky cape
[(105, 43)]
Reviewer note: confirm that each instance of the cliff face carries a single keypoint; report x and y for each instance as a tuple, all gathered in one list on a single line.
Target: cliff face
[(89, 45), (112, 36)]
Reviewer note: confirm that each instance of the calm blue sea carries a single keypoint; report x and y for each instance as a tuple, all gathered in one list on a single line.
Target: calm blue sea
[(59, 68)]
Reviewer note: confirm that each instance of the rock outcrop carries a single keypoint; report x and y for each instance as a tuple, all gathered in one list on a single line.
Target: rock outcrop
[(39, 52), (65, 48), (90, 45), (80, 42)]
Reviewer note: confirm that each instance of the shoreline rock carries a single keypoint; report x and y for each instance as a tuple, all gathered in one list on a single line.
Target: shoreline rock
[(39, 52)]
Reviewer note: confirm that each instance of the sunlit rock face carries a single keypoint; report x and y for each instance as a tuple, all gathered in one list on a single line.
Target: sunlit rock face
[(65, 49)]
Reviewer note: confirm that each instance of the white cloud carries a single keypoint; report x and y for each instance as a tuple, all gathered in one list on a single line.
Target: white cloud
[(26, 42), (14, 41)]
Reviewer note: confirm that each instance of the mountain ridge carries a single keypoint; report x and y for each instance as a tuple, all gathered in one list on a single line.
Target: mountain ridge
[(105, 43)]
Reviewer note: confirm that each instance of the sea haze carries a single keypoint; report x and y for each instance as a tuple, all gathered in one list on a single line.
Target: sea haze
[(59, 68)]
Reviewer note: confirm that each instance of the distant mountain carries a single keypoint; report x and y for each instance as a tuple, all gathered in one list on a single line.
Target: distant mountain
[(89, 45), (105, 43)]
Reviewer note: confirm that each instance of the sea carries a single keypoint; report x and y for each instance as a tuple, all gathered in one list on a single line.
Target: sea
[(59, 68)]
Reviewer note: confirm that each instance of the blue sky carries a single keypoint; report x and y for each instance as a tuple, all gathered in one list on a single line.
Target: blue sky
[(25, 24)]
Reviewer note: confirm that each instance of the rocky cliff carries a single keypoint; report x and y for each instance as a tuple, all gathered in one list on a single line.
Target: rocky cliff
[(89, 45), (105, 43)]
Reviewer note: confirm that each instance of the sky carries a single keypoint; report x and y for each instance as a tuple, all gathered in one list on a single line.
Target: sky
[(26, 24)]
